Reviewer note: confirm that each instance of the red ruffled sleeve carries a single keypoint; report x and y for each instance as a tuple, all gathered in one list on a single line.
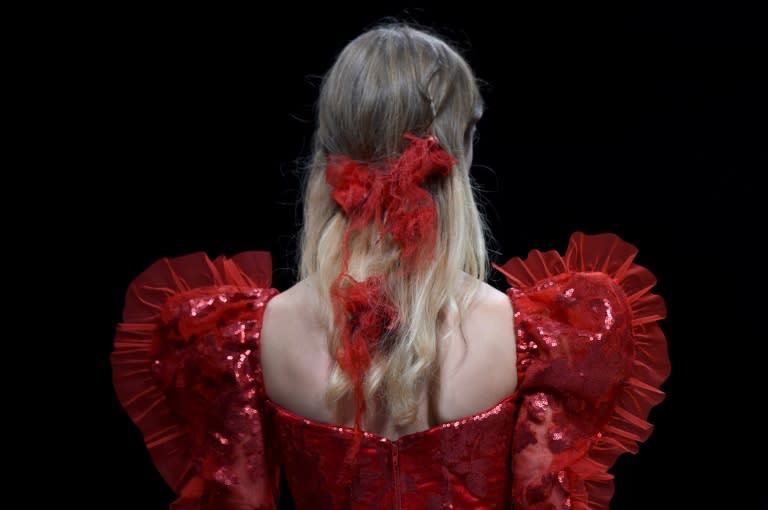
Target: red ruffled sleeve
[(186, 369), (591, 359)]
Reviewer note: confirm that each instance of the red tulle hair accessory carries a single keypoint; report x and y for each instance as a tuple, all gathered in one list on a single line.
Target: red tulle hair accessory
[(367, 192)]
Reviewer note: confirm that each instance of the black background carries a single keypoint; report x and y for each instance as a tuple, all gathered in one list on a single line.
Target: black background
[(649, 125)]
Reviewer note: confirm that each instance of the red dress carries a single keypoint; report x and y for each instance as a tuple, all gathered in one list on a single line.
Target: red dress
[(591, 359)]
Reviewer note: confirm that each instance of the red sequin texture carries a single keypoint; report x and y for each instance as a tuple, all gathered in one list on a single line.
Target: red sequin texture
[(590, 362), (462, 463), (184, 368)]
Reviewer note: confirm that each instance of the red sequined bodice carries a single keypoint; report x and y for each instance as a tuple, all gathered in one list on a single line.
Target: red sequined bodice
[(462, 462), (590, 361)]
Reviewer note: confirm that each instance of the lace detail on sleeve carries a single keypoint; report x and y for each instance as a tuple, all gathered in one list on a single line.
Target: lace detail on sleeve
[(591, 359)]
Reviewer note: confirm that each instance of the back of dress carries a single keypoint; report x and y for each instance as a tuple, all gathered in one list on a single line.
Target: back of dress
[(590, 361)]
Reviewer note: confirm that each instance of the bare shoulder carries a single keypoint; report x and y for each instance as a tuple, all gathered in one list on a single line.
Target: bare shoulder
[(292, 294), (494, 315), (292, 345), (284, 320), (479, 366), (491, 318), (491, 303), (274, 317), (285, 305), (491, 322)]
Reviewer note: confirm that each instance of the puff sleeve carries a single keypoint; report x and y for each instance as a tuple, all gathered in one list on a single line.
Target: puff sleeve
[(591, 359), (186, 369)]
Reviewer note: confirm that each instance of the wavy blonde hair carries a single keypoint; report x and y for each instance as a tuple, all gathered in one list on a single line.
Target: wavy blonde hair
[(391, 80)]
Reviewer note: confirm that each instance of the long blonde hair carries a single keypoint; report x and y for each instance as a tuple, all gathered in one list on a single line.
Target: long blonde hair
[(391, 80)]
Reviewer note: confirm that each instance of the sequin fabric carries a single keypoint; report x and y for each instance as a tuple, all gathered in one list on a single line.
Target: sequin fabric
[(459, 464), (590, 361)]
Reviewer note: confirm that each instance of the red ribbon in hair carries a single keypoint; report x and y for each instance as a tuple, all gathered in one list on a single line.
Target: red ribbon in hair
[(365, 193)]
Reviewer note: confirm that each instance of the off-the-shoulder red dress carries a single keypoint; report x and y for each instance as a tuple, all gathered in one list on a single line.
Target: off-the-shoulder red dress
[(591, 359)]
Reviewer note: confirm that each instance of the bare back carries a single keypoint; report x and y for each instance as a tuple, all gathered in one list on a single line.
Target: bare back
[(477, 369)]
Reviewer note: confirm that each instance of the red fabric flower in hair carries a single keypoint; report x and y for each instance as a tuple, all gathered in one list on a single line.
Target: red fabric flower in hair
[(367, 193)]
